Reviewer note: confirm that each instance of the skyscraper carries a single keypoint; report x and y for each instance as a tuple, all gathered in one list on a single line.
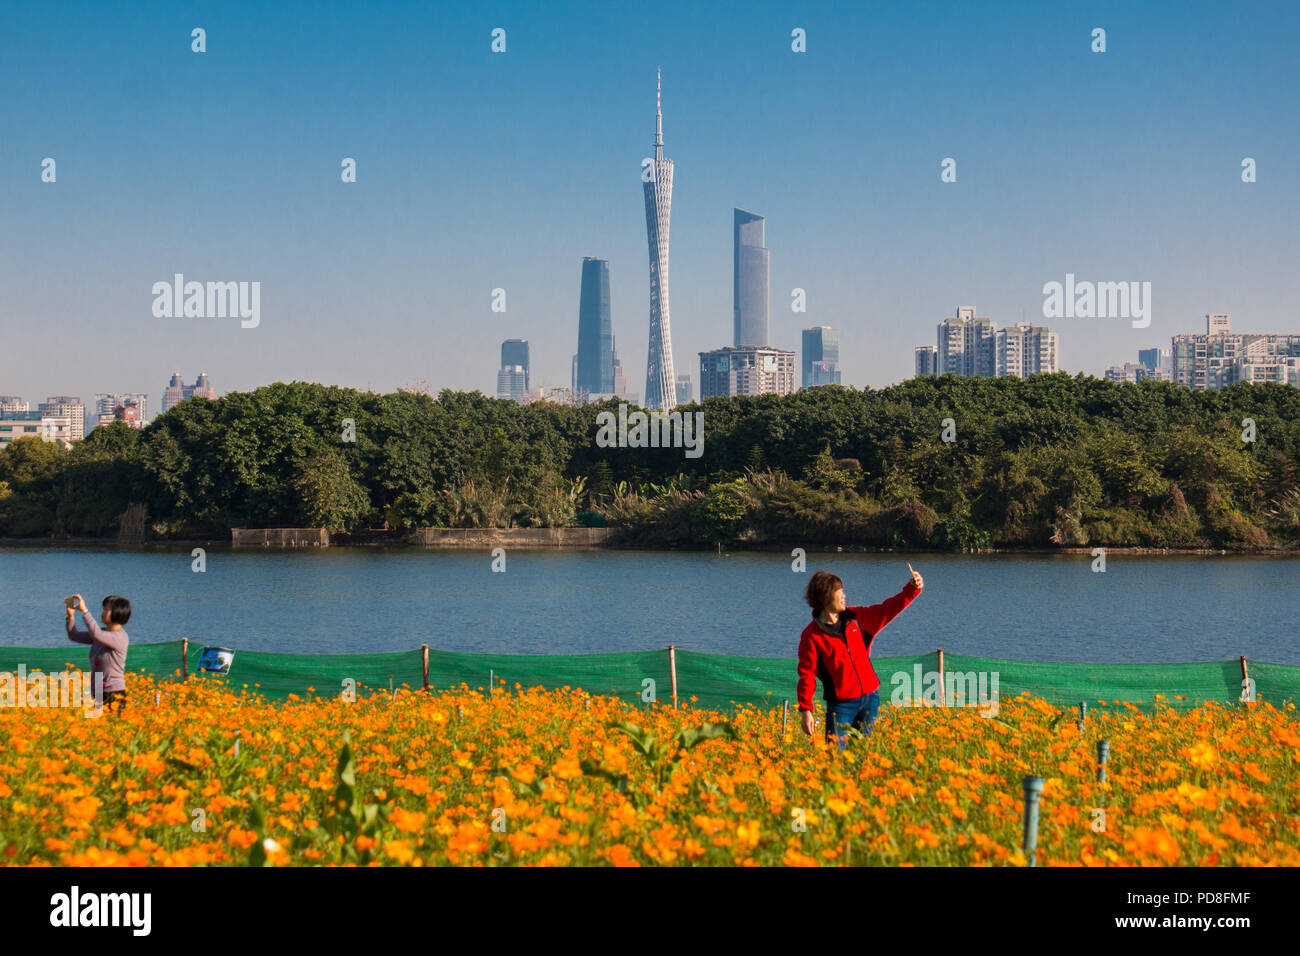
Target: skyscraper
[(514, 352), (595, 374), (821, 356), (658, 188), (177, 391), (749, 280)]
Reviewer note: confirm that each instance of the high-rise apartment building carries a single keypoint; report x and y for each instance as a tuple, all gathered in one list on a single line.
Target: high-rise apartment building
[(66, 406), (750, 285), (595, 359), (658, 189), (685, 394), (746, 371), (821, 356), (1024, 350), (12, 403), (971, 345), (966, 344), (1219, 357)]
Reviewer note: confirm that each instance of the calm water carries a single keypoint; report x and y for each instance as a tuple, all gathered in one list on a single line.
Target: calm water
[(1036, 607)]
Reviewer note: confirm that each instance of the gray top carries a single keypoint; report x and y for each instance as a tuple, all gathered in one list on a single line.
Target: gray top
[(107, 651)]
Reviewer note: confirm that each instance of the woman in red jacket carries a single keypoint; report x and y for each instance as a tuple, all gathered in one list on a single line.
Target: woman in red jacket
[(835, 647)]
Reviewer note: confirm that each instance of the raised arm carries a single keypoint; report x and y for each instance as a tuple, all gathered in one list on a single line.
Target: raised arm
[(114, 640), (872, 619), (81, 637)]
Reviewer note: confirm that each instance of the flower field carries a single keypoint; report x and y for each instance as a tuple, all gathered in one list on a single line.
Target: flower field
[(210, 776)]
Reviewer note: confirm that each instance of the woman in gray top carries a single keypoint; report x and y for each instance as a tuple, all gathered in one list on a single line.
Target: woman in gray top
[(107, 645)]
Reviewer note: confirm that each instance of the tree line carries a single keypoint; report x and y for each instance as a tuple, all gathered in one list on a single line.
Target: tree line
[(944, 462)]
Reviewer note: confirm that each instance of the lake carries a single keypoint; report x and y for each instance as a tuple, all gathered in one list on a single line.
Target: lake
[(335, 601)]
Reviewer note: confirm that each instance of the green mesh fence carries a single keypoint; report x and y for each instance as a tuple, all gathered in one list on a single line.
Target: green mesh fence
[(714, 681)]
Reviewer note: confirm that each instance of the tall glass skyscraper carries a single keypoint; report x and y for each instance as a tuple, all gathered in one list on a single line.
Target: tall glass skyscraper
[(514, 352), (657, 183), (595, 372), (750, 280), (821, 356)]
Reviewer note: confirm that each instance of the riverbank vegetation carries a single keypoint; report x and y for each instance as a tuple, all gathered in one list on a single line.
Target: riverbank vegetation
[(944, 462)]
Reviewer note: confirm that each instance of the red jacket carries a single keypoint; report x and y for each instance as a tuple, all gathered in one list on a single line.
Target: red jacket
[(843, 664)]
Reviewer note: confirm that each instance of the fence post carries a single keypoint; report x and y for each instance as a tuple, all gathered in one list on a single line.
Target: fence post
[(942, 693), (1245, 676), (1103, 755), (672, 669), (185, 657), (1033, 788), (492, 682), (785, 710), (424, 653)]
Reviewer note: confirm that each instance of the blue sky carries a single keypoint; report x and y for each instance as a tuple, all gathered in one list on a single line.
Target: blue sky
[(479, 170)]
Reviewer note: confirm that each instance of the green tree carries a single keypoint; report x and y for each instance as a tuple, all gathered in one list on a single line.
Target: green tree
[(331, 498)]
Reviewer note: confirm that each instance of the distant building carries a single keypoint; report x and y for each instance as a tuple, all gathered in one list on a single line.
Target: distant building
[(685, 394), (128, 410), (512, 383), (595, 359), (12, 403), (750, 286), (203, 388), (660, 382), (1024, 350), (514, 352), (66, 406), (967, 345), (1157, 359), (1219, 357), (621, 387), (177, 391), (60, 428), (107, 404), (821, 356), (746, 371), (1128, 372), (971, 346)]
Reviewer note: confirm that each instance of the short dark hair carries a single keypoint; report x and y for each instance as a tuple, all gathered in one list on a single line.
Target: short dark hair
[(119, 609), (820, 588)]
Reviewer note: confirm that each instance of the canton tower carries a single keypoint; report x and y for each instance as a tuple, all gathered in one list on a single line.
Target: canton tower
[(660, 384)]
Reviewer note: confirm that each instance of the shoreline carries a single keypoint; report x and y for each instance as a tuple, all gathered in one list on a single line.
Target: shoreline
[(500, 537)]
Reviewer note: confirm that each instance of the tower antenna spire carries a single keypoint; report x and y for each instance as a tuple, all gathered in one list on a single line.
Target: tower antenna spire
[(659, 114)]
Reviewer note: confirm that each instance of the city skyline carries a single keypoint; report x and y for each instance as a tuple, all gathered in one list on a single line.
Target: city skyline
[(454, 200)]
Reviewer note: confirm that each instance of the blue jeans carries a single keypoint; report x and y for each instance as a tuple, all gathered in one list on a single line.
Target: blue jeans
[(859, 712)]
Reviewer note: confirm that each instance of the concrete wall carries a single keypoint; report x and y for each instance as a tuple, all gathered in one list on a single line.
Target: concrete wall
[(279, 538), (512, 537)]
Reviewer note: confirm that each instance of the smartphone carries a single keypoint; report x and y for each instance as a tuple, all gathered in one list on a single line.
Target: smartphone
[(70, 602)]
